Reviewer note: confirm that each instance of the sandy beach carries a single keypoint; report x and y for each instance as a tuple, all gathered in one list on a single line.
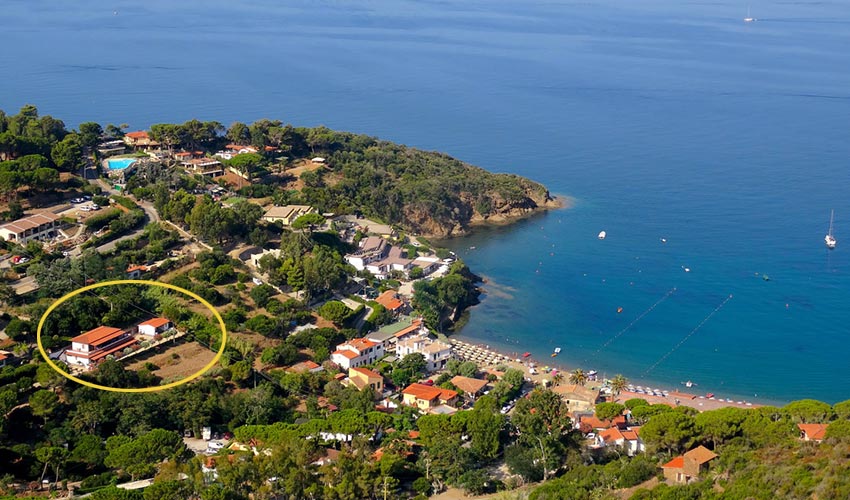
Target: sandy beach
[(542, 372)]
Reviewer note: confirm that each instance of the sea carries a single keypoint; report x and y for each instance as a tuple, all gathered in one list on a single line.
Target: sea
[(711, 151)]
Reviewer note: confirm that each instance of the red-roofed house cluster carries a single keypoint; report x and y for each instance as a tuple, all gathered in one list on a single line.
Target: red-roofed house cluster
[(612, 433), (93, 346)]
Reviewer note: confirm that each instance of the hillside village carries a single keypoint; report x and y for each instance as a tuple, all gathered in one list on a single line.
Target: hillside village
[(341, 376)]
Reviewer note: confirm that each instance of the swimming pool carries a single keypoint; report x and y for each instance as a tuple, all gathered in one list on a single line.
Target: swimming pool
[(120, 163)]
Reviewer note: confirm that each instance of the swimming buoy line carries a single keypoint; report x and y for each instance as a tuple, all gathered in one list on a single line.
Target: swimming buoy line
[(689, 335), (621, 332)]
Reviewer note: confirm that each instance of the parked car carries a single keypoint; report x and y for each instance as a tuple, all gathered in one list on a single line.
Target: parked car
[(257, 281), (77, 200), (87, 197)]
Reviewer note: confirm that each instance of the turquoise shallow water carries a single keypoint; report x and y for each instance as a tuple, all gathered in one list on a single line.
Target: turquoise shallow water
[(661, 118), (120, 163)]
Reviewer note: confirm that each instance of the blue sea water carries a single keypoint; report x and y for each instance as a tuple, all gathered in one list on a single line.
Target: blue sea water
[(659, 118)]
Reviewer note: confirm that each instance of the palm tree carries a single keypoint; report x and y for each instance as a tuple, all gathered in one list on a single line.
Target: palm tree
[(618, 384), (578, 377), (557, 378)]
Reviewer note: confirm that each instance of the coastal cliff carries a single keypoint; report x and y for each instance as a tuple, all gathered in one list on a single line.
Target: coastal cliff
[(425, 192)]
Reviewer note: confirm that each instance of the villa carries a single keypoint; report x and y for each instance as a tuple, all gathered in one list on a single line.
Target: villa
[(34, 227), (357, 352), (155, 326), (287, 214), (379, 258), (426, 397), (208, 167), (90, 348), (391, 301), (436, 353), (361, 378), (687, 468), (140, 140)]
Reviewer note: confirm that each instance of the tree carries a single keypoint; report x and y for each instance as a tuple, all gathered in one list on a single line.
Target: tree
[(167, 490), (307, 221), (415, 362), (578, 377), (17, 328), (809, 411), (335, 311), (619, 384), (720, 425), (51, 456), (484, 426), (261, 294), (633, 403), (842, 409), (608, 411), (474, 481), (67, 154), (840, 429), (467, 369), (238, 133), (415, 273), (43, 403), (671, 431), (89, 136)]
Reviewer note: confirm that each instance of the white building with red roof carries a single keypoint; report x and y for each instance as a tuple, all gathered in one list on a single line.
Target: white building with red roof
[(34, 227), (357, 352), (155, 326), (93, 346)]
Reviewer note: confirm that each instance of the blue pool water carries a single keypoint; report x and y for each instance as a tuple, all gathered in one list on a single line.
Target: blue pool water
[(120, 163), (662, 118)]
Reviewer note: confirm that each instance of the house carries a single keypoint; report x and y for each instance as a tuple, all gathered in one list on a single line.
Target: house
[(371, 249), (426, 397), (471, 387), (287, 214), (436, 353), (577, 397), (111, 147), (427, 264), (139, 140), (390, 334), (357, 352), (361, 378), (155, 326), (93, 346), (33, 227), (812, 432), (305, 366), (391, 300), (135, 272), (629, 440), (328, 456), (208, 167), (687, 468)]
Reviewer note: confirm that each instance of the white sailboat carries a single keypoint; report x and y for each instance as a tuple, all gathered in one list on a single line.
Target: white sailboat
[(749, 18), (829, 238), (602, 235)]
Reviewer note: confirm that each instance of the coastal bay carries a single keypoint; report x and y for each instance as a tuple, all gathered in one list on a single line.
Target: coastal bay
[(733, 151)]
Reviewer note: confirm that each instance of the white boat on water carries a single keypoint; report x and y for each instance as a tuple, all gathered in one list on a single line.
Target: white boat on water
[(829, 238), (602, 235), (749, 18)]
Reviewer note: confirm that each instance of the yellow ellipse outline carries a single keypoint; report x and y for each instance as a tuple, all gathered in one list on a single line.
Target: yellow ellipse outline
[(132, 282)]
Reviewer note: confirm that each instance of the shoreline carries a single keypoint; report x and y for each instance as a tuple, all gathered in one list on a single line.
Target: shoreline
[(488, 356)]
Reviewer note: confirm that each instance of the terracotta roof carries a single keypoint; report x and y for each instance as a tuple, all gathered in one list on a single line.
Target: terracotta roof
[(136, 268), (612, 434), (303, 366), (347, 353), (183, 153), (412, 328), (447, 394), (155, 322), (813, 431), (422, 391), (97, 336), (676, 463), (361, 344), (619, 421), (468, 385), (594, 422), (367, 372), (630, 434), (30, 222), (3, 356), (102, 353), (700, 455), (389, 299), (577, 392), (413, 434), (141, 134)]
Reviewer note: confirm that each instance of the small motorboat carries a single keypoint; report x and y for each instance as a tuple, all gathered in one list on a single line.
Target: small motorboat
[(765, 277), (709, 395), (663, 240), (526, 354), (619, 310), (556, 352), (602, 235)]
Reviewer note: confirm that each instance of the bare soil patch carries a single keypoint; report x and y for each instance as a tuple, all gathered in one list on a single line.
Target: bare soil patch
[(175, 361)]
